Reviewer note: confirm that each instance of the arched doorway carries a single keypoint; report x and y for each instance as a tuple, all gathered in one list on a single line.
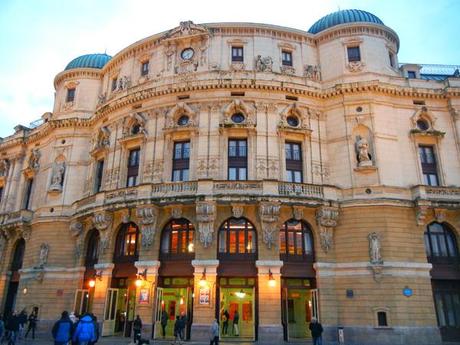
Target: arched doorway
[(16, 265), (237, 280), (175, 283), (120, 306), (299, 294), (84, 296), (442, 252)]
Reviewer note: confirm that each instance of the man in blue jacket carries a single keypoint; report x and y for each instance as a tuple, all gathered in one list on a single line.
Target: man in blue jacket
[(62, 330), (85, 331)]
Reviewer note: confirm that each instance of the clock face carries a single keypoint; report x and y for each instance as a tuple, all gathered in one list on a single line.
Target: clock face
[(187, 54)]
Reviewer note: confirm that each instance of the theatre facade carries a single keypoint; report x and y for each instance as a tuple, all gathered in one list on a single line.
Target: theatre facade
[(239, 169)]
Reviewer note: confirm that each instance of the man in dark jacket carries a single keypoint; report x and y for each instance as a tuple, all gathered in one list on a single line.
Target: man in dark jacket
[(22, 322), (12, 325), (316, 330), (137, 329), (164, 322), (85, 331), (177, 329), (62, 329), (32, 323)]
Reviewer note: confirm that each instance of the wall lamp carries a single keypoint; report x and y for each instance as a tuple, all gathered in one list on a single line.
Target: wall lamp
[(98, 276), (203, 282), (141, 277), (271, 279)]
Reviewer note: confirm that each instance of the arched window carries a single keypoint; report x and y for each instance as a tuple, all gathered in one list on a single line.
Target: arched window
[(177, 239), (127, 241), (440, 243), (92, 249), (237, 239), (18, 255), (296, 241)]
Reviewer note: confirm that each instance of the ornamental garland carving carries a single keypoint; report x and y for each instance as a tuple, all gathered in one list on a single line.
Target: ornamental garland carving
[(326, 218), (148, 216), (102, 220), (355, 66), (269, 215), (287, 70), (263, 64), (34, 160), (205, 216), (179, 110)]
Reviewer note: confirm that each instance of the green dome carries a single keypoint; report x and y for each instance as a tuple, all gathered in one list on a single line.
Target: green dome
[(89, 61), (343, 17)]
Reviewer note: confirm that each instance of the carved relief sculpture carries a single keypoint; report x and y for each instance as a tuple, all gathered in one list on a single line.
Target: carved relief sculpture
[(205, 215), (34, 159), (326, 218), (312, 72), (269, 215), (264, 64), (176, 211), (4, 166), (362, 148), (43, 256), (76, 228), (103, 138), (102, 220), (148, 216), (57, 177), (375, 247), (237, 210)]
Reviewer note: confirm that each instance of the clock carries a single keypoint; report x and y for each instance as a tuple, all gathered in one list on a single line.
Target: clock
[(187, 54)]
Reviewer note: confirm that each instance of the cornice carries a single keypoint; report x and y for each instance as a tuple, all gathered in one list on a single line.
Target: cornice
[(87, 73)]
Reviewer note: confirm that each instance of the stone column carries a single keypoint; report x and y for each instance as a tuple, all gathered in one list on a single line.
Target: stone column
[(100, 289), (204, 312), (270, 327), (146, 309)]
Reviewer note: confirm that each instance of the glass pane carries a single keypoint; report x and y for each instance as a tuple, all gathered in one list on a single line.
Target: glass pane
[(426, 179), (296, 152), (241, 240), (183, 242), (232, 148), (114, 304), (251, 247), (186, 150), (451, 245), (289, 176), (174, 241), (222, 241), (449, 310), (177, 150), (427, 245), (298, 243), (297, 176), (232, 173), (435, 245), (242, 148), (291, 248), (242, 174), (165, 243), (442, 245), (433, 180), (440, 309), (176, 175), (282, 242), (456, 306), (429, 155), (232, 244), (185, 176), (190, 245), (308, 244), (288, 151)]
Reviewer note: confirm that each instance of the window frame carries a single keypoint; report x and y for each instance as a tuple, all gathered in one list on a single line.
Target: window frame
[(235, 56), (293, 165), (120, 255), (429, 234), (28, 193), (133, 170), (145, 68), (17, 259), (428, 169), (237, 161), (411, 75), (184, 226), (99, 175), (225, 229), (70, 96), (286, 62), (181, 164), (351, 53), (92, 249), (305, 231)]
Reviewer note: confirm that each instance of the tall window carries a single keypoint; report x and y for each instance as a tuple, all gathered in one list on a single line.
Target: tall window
[(440, 244), (429, 168), (18, 255), (286, 58), (28, 194), (293, 162), (70, 95), (99, 171), (133, 167), (296, 241), (114, 84), (237, 238), (353, 54), (177, 239), (391, 56), (145, 68), (127, 242), (181, 161), (92, 249), (237, 54), (237, 159), (1, 193)]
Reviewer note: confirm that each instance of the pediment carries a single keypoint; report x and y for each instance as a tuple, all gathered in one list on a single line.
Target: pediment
[(186, 29)]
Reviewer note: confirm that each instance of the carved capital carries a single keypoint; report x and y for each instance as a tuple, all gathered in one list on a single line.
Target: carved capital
[(76, 228), (102, 220)]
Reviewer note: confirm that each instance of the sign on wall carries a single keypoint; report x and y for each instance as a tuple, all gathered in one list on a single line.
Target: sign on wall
[(205, 295)]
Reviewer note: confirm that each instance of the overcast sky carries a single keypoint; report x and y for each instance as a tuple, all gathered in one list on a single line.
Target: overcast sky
[(39, 38)]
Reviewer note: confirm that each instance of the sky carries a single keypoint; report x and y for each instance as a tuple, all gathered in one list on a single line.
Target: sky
[(39, 38)]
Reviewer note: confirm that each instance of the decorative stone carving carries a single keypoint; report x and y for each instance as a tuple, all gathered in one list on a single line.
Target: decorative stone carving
[(76, 228), (57, 177), (238, 106), (102, 98), (176, 211), (43, 255), (269, 215), (326, 218), (375, 247), (148, 216), (237, 66), (302, 116), (103, 138), (355, 66), (25, 233), (34, 160), (362, 149), (4, 166), (297, 212), (429, 120), (176, 112), (377, 271), (135, 120), (104, 242), (237, 210), (440, 215), (421, 212), (205, 215), (264, 64), (2, 246), (123, 83), (312, 72), (288, 70), (102, 220)]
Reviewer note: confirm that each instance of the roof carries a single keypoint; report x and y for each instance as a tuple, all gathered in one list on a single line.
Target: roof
[(89, 61), (343, 17), (438, 72)]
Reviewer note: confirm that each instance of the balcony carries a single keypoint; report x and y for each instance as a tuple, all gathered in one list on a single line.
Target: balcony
[(16, 218), (436, 193), (300, 189)]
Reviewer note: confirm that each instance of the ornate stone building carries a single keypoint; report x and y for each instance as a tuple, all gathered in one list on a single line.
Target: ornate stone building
[(235, 167)]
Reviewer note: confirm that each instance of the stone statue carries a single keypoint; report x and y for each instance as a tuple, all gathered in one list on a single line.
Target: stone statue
[(364, 158), (57, 179), (4, 166), (375, 254), (102, 98), (103, 137), (43, 257), (264, 64), (34, 159)]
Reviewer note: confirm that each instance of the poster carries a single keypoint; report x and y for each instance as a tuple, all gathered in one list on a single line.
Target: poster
[(144, 296), (205, 295)]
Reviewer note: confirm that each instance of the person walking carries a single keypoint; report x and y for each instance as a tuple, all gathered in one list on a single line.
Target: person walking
[(183, 324), (62, 330), (13, 328), (225, 317), (32, 324), (316, 330), (2, 329), (177, 328), (236, 320), (164, 322), (22, 323), (214, 333), (137, 329), (85, 331), (96, 330)]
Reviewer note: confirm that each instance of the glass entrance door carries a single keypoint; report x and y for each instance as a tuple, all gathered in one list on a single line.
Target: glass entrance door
[(125, 311), (108, 327), (83, 301)]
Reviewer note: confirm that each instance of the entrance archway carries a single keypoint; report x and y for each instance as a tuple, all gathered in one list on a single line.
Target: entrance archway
[(16, 265)]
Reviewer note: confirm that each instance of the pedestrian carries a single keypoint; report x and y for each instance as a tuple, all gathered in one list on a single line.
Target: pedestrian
[(183, 324), (73, 318), (316, 330), (137, 329), (22, 323), (96, 329), (164, 322), (214, 333), (236, 320), (32, 323), (225, 317), (177, 327), (13, 328), (62, 329), (2, 328), (85, 331)]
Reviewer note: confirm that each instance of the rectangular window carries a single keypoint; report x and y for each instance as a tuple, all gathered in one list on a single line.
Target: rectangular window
[(114, 84), (429, 167), (181, 161), (382, 319), (286, 58), (70, 95), (1, 193), (353, 54), (133, 167), (391, 56), (237, 54), (237, 159), (411, 75), (145, 68), (99, 171), (294, 165), (28, 194)]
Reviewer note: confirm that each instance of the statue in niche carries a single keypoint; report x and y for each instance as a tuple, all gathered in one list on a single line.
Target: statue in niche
[(43, 256), (375, 254), (364, 157), (57, 179), (34, 160), (4, 166)]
